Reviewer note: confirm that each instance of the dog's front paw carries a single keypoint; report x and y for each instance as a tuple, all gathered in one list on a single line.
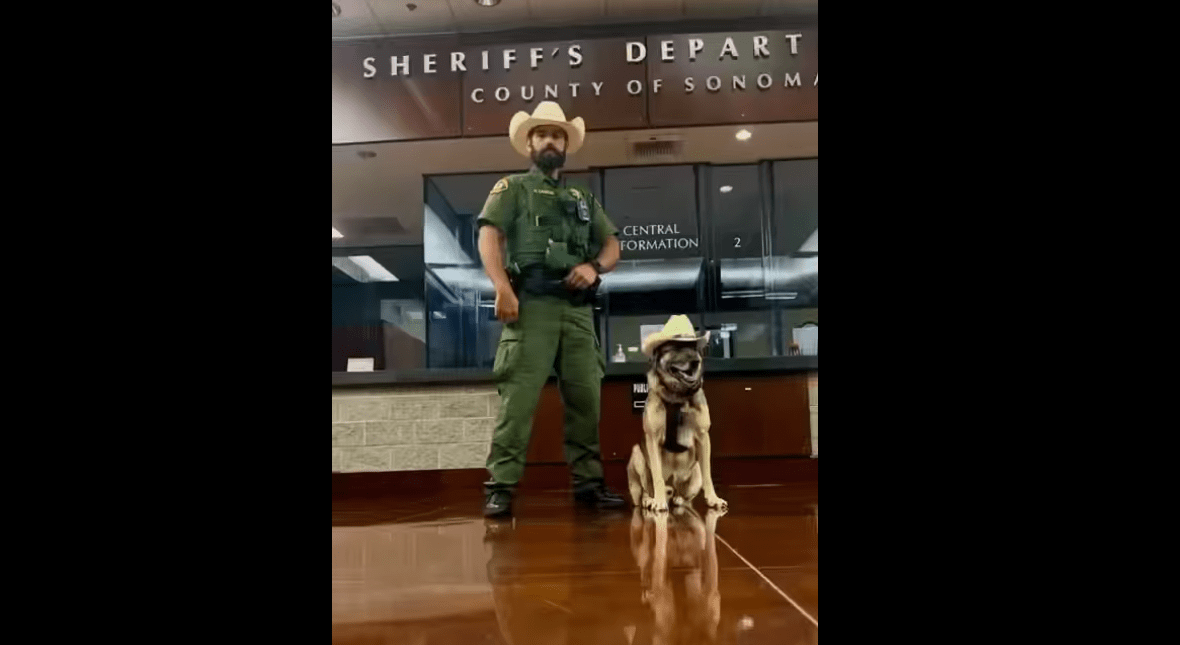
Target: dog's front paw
[(677, 501), (713, 501), (653, 504)]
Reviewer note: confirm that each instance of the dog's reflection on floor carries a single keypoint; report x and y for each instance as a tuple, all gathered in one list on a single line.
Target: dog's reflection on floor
[(669, 548)]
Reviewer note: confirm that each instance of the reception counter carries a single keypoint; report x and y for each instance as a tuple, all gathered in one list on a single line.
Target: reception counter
[(443, 419)]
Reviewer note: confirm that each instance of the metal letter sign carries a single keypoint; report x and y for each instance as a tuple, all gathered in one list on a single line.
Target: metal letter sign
[(638, 397)]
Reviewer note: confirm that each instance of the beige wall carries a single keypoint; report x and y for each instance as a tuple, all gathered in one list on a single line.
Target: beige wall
[(443, 427), (412, 428)]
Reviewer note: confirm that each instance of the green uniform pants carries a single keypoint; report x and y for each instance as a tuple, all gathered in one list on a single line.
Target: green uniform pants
[(549, 333)]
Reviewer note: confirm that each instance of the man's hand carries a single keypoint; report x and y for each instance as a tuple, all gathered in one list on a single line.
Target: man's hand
[(507, 306), (581, 276)]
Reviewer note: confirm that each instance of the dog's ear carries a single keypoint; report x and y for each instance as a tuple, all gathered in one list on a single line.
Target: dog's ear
[(703, 343)]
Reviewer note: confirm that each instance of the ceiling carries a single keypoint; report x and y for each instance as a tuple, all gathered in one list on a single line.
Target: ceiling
[(375, 18)]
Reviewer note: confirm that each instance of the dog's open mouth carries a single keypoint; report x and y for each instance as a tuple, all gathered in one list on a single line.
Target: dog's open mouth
[(687, 372)]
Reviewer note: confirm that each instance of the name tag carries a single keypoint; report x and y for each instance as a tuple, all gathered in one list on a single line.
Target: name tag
[(543, 191)]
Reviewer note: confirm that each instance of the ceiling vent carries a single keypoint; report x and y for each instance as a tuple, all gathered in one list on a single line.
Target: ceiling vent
[(656, 149)]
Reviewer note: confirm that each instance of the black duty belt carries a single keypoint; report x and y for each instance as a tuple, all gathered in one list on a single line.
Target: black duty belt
[(538, 282)]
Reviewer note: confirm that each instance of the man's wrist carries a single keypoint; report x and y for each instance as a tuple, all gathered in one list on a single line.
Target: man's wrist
[(598, 268)]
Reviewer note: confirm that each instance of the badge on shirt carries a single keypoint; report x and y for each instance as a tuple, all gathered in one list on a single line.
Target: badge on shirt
[(500, 186)]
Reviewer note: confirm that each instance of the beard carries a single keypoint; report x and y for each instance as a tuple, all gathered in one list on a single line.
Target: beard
[(548, 159)]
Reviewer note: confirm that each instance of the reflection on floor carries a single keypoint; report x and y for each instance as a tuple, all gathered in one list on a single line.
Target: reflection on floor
[(430, 570)]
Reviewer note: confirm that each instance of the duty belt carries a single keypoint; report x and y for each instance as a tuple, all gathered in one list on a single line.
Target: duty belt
[(538, 282)]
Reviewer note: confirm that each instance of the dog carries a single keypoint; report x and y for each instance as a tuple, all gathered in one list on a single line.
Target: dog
[(678, 546), (673, 460)]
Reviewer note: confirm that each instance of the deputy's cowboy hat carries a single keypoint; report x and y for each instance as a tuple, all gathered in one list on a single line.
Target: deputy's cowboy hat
[(547, 113), (677, 329)]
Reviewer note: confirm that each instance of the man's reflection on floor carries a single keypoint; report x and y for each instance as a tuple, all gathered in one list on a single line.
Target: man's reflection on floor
[(674, 599), (676, 553), (570, 606)]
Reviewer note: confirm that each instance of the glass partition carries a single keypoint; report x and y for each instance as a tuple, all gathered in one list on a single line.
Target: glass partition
[(794, 274), (661, 271), (736, 248), (741, 317), (378, 298), (463, 326)]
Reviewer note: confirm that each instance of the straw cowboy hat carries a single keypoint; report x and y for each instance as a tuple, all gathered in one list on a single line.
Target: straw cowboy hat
[(678, 329), (547, 113)]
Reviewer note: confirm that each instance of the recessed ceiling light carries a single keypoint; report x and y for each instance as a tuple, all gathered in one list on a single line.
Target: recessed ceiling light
[(726, 189), (335, 10), (336, 234), (363, 268), (742, 135), (487, 3)]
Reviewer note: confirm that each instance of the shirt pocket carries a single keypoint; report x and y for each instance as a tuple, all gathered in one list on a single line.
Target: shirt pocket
[(544, 220)]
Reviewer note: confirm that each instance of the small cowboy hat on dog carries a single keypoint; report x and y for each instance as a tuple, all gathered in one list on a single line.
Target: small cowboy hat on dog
[(547, 113), (677, 329)]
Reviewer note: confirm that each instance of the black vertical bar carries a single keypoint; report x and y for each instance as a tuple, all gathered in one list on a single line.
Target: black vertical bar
[(605, 331), (766, 191), (707, 297), (427, 313), (601, 196)]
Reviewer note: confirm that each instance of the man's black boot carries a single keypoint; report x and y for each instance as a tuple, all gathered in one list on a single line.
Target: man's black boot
[(598, 496), (498, 503)]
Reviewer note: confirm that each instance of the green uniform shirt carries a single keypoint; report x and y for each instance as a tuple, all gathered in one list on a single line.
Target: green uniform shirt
[(533, 210)]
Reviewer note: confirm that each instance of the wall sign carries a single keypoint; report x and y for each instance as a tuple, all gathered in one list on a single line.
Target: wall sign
[(656, 217), (393, 88), (734, 78), (638, 397), (578, 75), (656, 237), (414, 106)]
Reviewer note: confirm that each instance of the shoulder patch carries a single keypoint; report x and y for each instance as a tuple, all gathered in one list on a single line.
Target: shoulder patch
[(500, 187), (575, 193)]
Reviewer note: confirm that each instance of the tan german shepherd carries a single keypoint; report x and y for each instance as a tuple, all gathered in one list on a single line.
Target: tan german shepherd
[(673, 460)]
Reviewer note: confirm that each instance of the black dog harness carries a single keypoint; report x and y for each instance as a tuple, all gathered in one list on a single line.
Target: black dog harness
[(672, 427)]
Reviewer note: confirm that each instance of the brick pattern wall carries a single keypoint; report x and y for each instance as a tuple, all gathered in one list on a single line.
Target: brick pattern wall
[(442, 427), (412, 428)]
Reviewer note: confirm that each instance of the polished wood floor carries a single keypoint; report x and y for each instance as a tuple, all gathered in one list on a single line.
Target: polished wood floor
[(426, 568)]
